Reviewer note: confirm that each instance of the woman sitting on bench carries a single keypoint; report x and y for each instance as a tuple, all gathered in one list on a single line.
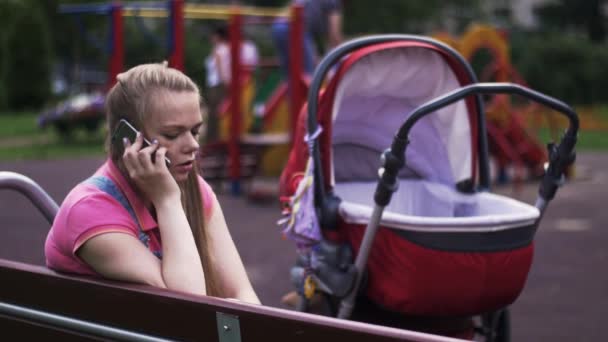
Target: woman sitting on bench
[(146, 216)]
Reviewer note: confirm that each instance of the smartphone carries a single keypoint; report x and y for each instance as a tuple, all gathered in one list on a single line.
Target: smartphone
[(126, 130)]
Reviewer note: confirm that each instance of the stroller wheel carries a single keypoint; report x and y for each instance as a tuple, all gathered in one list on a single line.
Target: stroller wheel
[(496, 326)]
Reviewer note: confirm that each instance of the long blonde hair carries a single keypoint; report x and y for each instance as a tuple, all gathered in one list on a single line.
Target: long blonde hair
[(128, 99)]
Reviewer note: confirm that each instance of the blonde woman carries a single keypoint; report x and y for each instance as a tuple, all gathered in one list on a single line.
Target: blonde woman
[(139, 219)]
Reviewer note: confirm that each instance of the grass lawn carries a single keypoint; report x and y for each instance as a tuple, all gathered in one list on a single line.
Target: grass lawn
[(587, 140), (22, 124), (21, 139)]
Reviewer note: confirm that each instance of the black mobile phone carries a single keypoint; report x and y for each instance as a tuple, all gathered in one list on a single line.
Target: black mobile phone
[(126, 130)]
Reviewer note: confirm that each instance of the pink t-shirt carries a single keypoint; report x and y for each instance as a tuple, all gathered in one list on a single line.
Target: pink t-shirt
[(104, 203)]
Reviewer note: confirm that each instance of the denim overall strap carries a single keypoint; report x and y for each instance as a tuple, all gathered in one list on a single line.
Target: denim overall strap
[(108, 186)]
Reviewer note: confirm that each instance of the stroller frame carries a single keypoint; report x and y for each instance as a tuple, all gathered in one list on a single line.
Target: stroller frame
[(393, 159)]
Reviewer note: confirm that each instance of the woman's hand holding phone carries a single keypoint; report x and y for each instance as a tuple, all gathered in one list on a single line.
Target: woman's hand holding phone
[(152, 178)]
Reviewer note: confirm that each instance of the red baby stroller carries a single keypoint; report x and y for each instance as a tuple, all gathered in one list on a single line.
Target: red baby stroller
[(444, 249)]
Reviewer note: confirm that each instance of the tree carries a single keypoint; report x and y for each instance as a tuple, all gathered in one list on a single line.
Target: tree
[(579, 15), (404, 16), (27, 56)]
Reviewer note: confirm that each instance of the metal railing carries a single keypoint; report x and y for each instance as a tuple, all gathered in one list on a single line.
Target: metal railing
[(33, 191)]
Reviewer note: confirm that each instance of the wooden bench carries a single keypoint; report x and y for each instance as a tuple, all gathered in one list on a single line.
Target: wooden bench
[(36, 303)]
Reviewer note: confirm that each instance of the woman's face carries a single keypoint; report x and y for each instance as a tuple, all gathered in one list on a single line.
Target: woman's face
[(175, 119)]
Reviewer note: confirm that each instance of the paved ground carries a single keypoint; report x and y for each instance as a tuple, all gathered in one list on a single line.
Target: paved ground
[(564, 300)]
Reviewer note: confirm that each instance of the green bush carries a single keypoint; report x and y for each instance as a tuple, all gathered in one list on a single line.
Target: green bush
[(198, 46), (567, 67), (4, 55), (27, 56), (3, 95), (145, 41)]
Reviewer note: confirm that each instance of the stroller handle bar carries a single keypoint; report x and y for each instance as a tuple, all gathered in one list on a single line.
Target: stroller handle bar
[(490, 88), (560, 156), (47, 206)]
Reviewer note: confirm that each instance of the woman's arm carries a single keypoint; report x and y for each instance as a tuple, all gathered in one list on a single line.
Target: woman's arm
[(334, 29), (123, 257), (232, 276), (181, 266)]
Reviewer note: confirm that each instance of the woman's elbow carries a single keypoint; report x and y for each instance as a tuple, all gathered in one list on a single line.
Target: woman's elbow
[(184, 282), (156, 281), (248, 296)]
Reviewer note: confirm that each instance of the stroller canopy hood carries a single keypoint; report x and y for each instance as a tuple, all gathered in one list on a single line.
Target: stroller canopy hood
[(377, 90)]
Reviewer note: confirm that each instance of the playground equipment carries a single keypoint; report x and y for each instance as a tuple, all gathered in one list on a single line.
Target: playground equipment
[(279, 111), (509, 141), (86, 108), (116, 11)]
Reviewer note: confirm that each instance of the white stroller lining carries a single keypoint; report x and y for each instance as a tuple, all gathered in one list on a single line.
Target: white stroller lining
[(421, 205), (360, 163), (378, 92)]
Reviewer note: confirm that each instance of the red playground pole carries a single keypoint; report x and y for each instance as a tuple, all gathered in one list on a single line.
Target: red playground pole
[(235, 99), (117, 54), (296, 47), (176, 59)]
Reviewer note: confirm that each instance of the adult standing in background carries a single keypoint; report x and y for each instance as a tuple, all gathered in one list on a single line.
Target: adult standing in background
[(322, 32), (250, 57), (217, 65)]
